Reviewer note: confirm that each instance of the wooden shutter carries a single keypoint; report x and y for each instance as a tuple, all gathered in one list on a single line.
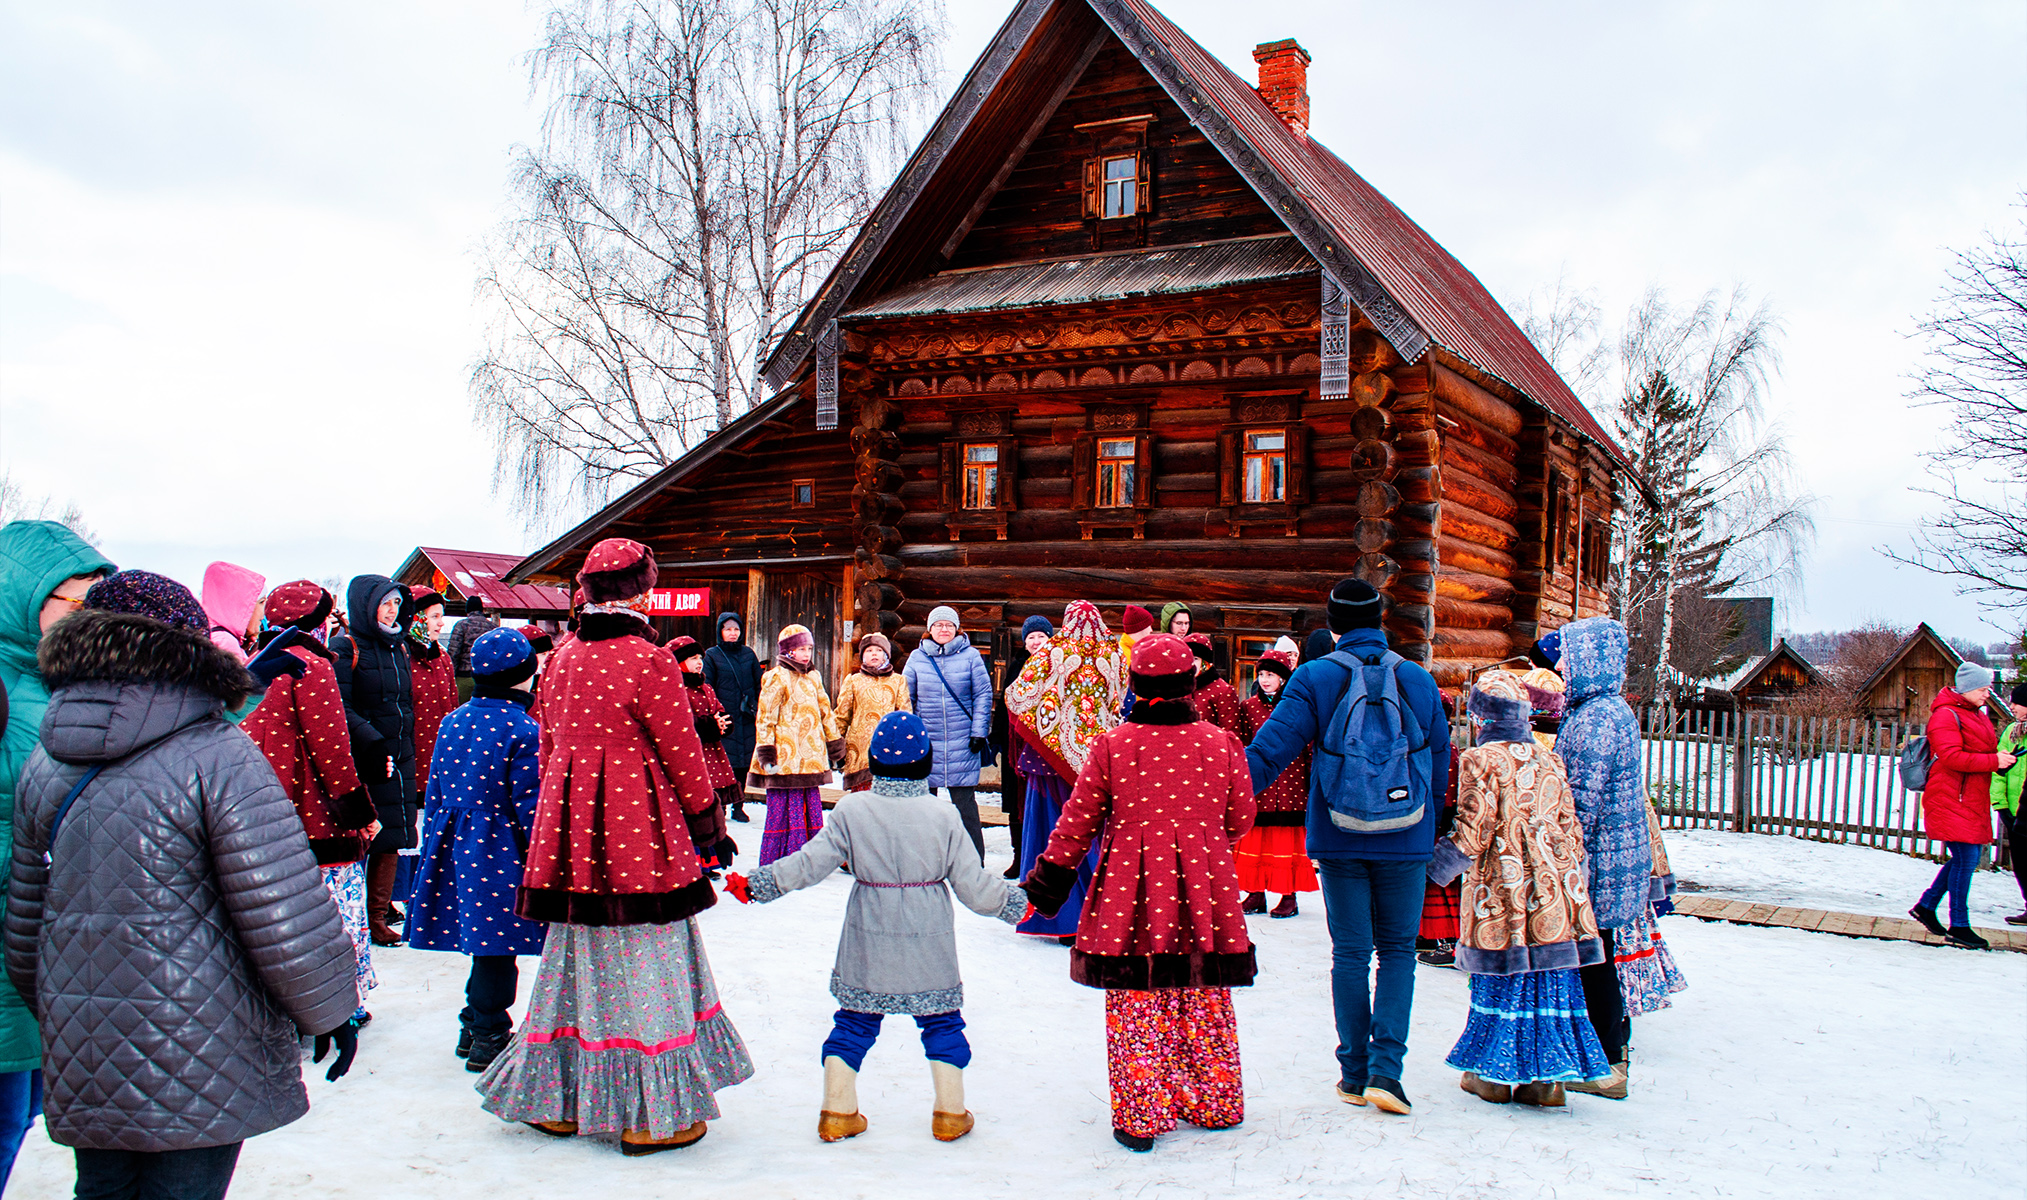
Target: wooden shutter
[(1143, 470), (1143, 195), (1230, 466), (953, 479), (1298, 464), (1094, 188), (1008, 473), (1083, 465)]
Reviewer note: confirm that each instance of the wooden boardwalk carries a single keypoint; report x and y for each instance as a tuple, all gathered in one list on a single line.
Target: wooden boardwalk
[(1741, 912)]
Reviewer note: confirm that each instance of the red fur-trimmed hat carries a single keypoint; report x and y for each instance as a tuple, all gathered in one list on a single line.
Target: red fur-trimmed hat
[(1200, 645), (538, 638), (425, 596), (617, 569), (300, 603), (1138, 619), (1277, 662), (684, 647)]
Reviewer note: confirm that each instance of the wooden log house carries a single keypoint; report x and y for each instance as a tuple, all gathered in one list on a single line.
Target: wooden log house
[(1122, 331), (1779, 675)]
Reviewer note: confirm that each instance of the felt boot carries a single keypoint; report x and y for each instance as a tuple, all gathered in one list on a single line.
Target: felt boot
[(1486, 1090), (950, 1120), (1616, 1086), (637, 1143), (840, 1118), (1539, 1095), (380, 869)]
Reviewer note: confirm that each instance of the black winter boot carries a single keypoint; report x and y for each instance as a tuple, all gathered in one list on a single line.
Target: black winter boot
[(464, 1038), (1967, 937), (1927, 917), (486, 1047), (1133, 1141)]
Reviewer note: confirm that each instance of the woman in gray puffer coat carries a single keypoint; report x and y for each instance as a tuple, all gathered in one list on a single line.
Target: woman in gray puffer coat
[(177, 937), (951, 691)]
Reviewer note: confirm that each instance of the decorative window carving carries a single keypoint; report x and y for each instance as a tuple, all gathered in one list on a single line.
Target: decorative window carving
[(1112, 469), (1118, 179), (1263, 462), (978, 472)]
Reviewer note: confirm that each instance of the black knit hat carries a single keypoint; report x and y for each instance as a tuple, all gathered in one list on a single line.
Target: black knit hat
[(1354, 604), (474, 604), (2020, 694)]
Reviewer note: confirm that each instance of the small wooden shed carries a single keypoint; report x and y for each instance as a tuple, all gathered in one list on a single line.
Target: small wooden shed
[(461, 574), (1903, 688), (1776, 676)]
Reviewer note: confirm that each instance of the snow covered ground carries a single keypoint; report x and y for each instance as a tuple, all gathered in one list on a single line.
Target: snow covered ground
[(1855, 879), (1797, 1064)]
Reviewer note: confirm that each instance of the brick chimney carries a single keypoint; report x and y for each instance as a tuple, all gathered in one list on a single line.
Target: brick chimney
[(1284, 81)]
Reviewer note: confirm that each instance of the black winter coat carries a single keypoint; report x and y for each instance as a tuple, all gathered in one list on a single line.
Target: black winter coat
[(734, 675), (373, 677), (180, 937)]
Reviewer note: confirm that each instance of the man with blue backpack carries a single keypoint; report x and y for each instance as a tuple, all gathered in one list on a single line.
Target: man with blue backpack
[(1376, 784)]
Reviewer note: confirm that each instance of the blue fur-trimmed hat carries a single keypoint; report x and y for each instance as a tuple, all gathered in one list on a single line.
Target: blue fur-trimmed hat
[(502, 650), (900, 748)]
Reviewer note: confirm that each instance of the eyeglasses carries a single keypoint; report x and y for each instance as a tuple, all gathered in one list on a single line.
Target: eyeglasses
[(77, 600)]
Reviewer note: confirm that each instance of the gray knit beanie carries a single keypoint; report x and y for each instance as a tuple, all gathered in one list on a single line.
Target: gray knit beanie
[(1971, 677)]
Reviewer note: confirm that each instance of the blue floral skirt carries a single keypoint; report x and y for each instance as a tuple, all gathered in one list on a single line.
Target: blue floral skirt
[(1047, 793), (1529, 1028)]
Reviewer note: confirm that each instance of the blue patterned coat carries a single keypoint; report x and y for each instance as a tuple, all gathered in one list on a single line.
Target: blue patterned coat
[(1600, 745), (483, 785)]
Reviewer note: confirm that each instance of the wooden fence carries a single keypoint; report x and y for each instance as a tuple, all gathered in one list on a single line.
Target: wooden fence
[(1814, 777)]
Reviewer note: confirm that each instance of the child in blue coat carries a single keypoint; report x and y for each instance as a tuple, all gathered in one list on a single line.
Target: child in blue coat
[(483, 785)]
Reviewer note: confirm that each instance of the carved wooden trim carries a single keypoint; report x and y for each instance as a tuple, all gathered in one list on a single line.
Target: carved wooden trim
[(827, 377)]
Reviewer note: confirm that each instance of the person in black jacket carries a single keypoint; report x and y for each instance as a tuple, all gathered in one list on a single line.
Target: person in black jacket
[(371, 659), (733, 672)]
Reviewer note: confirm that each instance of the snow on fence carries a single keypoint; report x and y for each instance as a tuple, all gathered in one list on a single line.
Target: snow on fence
[(1814, 777)]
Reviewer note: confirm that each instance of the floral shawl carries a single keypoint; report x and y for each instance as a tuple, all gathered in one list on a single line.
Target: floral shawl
[(1068, 695)]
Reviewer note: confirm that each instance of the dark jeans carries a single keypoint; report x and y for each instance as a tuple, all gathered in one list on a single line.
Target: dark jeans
[(20, 1104), (1956, 877), (156, 1175), (1606, 1002), (2019, 852), (489, 993), (965, 801), (1372, 906), (943, 1040)]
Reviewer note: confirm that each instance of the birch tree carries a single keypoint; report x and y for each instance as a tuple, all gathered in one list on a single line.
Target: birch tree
[(702, 165), (1976, 375)]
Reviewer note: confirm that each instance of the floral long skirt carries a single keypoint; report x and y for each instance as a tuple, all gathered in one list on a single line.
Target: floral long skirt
[(794, 815), (624, 1032), (1275, 858), (1173, 1055), (347, 885), (1647, 971), (1529, 1028)]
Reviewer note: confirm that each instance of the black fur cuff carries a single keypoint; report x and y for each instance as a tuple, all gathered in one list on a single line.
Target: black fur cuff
[(1048, 886)]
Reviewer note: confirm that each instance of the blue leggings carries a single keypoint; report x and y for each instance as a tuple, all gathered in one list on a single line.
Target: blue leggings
[(20, 1104), (1955, 876), (853, 1033)]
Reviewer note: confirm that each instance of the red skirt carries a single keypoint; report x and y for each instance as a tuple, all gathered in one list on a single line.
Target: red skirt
[(1275, 858), (1439, 910)]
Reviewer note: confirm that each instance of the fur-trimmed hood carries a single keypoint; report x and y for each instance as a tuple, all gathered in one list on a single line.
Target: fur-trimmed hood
[(95, 646)]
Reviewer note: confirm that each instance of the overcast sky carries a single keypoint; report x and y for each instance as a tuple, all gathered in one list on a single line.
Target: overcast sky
[(237, 241)]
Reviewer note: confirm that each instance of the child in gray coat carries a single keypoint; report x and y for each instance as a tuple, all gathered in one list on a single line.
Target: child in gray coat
[(898, 952)]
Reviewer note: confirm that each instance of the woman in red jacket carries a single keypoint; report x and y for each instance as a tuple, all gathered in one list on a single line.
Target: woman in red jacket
[(624, 1033), (1161, 931), (300, 726), (1957, 807)]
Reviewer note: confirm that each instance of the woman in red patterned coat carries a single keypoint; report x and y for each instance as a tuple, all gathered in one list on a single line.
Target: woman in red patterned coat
[(1215, 700), (712, 721), (624, 1032), (1273, 857), (1161, 930), (300, 726)]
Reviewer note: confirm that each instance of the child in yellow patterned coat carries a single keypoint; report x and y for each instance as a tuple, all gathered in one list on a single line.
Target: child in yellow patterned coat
[(867, 694), (794, 744)]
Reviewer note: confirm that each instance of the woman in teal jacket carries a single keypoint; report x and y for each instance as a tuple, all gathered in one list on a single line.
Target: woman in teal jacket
[(45, 570)]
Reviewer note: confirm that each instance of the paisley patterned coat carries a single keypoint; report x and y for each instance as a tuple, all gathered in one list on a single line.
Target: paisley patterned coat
[(626, 797), (795, 720), (1526, 905), (862, 701)]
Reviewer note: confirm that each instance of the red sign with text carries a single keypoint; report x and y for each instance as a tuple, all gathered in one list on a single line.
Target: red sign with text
[(679, 602)]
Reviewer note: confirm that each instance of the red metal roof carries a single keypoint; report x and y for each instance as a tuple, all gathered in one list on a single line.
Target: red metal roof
[(1446, 301), (471, 572)]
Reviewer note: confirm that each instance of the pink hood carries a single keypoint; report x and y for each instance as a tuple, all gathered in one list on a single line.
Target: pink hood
[(230, 593)]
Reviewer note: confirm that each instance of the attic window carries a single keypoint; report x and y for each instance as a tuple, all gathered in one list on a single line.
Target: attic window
[(1121, 196)]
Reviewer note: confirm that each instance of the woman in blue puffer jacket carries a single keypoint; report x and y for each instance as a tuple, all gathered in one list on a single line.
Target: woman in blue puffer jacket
[(1600, 745), (952, 693)]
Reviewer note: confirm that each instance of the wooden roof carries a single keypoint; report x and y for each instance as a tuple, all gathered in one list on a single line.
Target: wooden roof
[(1419, 297), (1781, 651), (1921, 633)]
